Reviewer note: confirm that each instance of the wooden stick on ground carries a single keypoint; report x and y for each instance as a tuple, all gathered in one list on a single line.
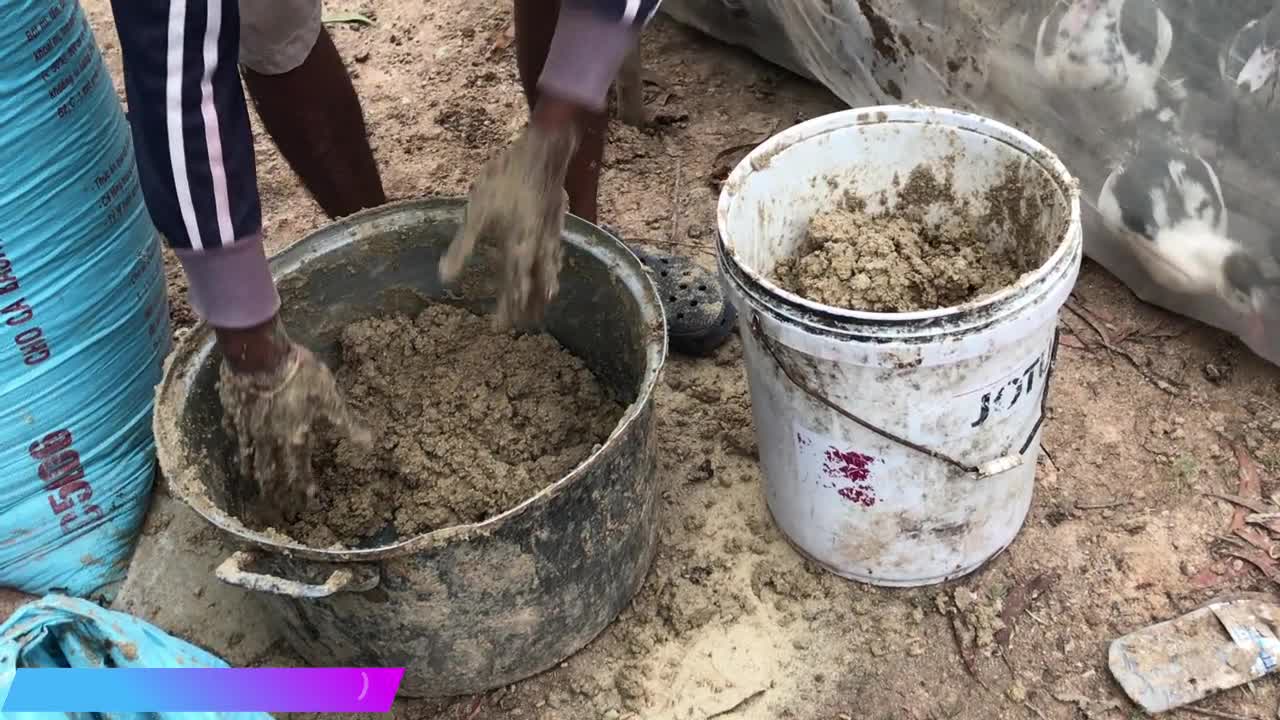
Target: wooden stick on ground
[(741, 704), (1166, 385), (1220, 715), (1038, 712), (1109, 504)]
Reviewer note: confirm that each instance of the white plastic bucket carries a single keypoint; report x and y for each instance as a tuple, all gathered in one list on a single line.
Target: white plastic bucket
[(898, 449)]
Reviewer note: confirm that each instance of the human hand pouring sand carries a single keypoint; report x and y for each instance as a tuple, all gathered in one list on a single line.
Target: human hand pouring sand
[(519, 203)]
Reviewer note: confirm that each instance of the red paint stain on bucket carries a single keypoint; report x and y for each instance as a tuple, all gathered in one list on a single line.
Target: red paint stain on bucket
[(854, 470)]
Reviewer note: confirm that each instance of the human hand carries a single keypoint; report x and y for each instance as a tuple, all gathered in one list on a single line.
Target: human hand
[(272, 412), (519, 203)]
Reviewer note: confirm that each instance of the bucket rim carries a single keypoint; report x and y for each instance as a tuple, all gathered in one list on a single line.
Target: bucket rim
[(191, 351), (914, 114)]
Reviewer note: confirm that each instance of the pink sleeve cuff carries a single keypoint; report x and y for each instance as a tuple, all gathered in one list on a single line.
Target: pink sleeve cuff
[(585, 56), (231, 287)]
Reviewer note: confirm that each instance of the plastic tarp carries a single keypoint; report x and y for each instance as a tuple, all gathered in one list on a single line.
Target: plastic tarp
[(64, 632)]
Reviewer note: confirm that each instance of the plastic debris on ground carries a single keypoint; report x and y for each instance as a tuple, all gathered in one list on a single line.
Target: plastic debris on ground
[(1217, 647), (64, 632)]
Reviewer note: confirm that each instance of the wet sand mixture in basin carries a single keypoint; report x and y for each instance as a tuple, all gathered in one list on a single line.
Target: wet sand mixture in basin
[(468, 423), (899, 260)]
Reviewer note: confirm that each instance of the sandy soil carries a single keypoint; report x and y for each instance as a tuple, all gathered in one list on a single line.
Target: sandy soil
[(732, 623), (470, 421), (896, 259)]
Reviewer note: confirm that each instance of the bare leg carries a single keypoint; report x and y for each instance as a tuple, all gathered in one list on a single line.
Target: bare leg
[(630, 88), (314, 116), (535, 24)]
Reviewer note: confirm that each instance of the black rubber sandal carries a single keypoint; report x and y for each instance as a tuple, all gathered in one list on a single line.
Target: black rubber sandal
[(699, 318)]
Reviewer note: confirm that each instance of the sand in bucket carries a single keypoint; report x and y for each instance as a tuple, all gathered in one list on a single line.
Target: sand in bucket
[(932, 248)]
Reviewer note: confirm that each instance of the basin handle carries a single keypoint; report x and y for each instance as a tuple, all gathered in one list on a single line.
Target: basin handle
[(344, 579)]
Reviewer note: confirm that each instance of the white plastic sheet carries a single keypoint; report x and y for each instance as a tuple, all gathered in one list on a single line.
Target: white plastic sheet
[(1166, 110)]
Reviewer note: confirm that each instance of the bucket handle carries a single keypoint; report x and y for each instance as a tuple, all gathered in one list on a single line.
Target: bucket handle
[(345, 579), (985, 470)]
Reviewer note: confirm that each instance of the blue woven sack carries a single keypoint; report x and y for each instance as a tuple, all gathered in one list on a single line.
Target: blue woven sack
[(83, 311)]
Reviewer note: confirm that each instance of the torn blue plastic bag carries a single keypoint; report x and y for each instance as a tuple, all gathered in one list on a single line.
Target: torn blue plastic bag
[(64, 632)]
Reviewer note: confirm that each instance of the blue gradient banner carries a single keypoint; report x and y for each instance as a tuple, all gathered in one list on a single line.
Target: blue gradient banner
[(128, 690)]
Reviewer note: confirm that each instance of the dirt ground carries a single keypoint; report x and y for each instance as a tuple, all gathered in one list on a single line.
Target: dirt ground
[(732, 623)]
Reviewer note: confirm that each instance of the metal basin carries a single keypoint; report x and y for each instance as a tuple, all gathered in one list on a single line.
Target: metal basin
[(471, 607)]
